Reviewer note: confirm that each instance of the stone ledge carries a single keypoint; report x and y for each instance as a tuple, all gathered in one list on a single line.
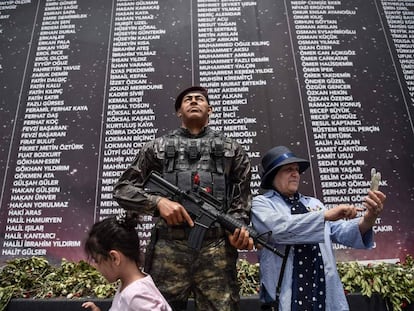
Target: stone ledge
[(357, 302)]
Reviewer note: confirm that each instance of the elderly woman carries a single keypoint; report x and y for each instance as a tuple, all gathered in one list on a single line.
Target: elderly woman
[(307, 278)]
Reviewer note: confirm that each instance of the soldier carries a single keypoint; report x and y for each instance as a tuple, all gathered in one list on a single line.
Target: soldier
[(192, 154)]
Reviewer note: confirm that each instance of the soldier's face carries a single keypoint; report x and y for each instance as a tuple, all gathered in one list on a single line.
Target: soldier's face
[(194, 106)]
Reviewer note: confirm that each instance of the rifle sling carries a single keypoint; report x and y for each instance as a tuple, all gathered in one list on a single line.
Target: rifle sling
[(282, 272), (183, 233), (274, 304)]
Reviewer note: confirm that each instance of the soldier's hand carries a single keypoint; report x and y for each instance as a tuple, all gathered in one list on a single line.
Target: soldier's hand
[(240, 239), (173, 213)]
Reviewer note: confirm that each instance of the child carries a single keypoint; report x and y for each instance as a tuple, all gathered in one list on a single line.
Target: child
[(113, 245)]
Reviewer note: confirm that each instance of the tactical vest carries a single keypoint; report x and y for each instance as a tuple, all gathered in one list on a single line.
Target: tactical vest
[(188, 161)]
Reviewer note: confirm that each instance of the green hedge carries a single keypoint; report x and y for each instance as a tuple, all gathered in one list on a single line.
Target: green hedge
[(35, 278)]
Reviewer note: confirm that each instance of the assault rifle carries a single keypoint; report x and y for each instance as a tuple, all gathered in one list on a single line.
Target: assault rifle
[(201, 205)]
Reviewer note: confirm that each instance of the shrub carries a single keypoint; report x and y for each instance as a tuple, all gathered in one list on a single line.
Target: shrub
[(35, 278), (393, 282)]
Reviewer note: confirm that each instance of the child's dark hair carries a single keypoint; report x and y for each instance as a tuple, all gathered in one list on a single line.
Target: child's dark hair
[(114, 233)]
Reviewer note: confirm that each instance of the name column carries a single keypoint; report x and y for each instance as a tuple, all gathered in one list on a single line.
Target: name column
[(339, 133), (130, 115), (37, 198), (232, 67), (400, 18)]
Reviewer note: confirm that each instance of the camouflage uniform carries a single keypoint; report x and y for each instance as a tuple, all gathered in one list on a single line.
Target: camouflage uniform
[(224, 169)]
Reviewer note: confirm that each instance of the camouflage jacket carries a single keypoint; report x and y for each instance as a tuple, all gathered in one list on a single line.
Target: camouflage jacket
[(221, 163)]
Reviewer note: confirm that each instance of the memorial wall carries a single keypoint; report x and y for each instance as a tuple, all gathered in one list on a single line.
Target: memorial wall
[(84, 84)]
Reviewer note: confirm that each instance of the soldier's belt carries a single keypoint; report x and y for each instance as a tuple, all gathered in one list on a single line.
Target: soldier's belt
[(183, 233)]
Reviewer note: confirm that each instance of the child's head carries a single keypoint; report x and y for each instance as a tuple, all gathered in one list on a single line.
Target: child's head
[(114, 233)]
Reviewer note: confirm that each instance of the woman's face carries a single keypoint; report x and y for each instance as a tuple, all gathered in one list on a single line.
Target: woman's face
[(286, 180)]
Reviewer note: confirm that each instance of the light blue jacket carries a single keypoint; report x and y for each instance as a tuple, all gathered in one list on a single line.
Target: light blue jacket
[(270, 213)]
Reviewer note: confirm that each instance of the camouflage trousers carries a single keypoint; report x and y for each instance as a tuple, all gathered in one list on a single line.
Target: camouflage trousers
[(210, 274)]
